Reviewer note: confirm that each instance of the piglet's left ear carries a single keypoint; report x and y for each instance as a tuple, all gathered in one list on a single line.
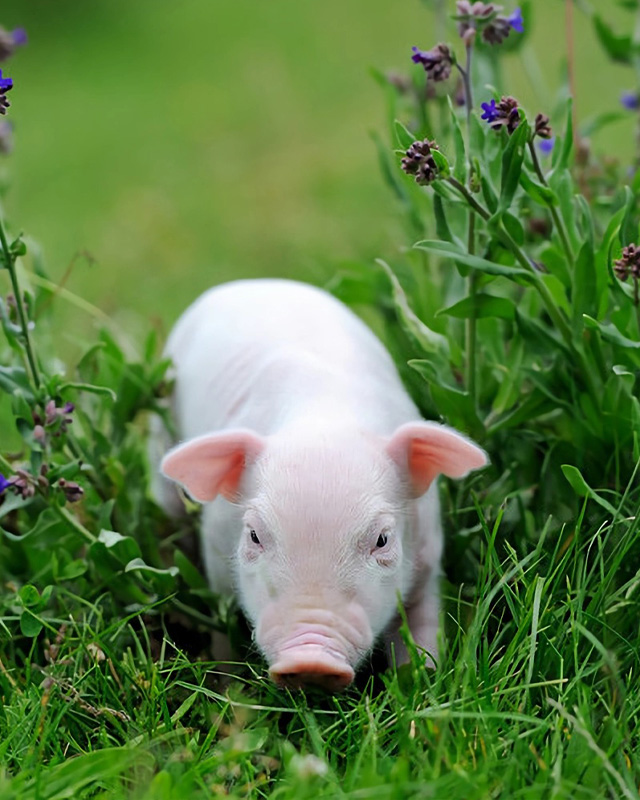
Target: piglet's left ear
[(426, 450)]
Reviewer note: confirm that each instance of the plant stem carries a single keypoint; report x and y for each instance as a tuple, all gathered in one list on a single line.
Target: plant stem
[(471, 200), (466, 80), (24, 324), (571, 64), (557, 219), (560, 323)]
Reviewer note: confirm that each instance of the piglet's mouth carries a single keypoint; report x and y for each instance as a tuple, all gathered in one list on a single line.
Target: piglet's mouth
[(312, 659)]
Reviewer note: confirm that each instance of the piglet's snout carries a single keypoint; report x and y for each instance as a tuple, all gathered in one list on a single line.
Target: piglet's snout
[(312, 659)]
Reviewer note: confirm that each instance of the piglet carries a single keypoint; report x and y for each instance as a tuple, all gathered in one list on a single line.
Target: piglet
[(316, 475)]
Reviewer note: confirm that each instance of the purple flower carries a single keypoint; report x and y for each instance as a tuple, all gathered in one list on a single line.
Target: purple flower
[(545, 146), (19, 36), (9, 40), (630, 100), (504, 114), (4, 484), (516, 21), (5, 84), (490, 110), (437, 62), (419, 162), (629, 263)]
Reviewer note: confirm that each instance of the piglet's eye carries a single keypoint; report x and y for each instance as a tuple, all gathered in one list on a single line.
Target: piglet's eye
[(254, 537), (382, 540)]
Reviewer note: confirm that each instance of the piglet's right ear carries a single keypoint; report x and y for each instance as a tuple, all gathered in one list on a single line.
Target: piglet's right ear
[(212, 464)]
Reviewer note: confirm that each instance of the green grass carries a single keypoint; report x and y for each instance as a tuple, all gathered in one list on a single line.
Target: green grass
[(536, 697)]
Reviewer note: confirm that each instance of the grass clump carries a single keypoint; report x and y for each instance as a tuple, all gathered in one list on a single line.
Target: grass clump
[(514, 315)]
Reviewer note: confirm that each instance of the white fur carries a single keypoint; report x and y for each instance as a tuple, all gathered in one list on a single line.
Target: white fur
[(324, 474)]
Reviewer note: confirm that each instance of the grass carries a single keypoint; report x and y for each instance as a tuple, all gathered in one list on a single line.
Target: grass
[(536, 697)]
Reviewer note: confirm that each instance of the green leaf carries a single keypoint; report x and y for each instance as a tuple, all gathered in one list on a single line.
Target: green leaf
[(582, 489), (405, 137), (512, 159), (74, 569), (12, 378), (584, 284), (448, 250), (443, 230), (481, 306), (564, 154), (137, 564), (618, 47), (191, 576), (513, 226), (29, 596), (460, 168), (91, 388), (441, 163), (610, 333), (455, 405), (533, 405), (489, 193), (124, 548), (425, 338), (30, 625), (542, 195)]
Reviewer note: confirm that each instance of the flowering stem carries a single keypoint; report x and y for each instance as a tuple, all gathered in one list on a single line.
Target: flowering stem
[(553, 311), (22, 315), (466, 80), (557, 219)]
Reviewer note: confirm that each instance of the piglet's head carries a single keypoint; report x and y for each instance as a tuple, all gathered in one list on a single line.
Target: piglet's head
[(322, 550)]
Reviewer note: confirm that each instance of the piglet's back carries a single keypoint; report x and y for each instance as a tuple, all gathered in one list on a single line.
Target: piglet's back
[(262, 354)]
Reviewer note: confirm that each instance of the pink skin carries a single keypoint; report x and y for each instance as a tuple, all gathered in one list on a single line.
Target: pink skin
[(318, 484)]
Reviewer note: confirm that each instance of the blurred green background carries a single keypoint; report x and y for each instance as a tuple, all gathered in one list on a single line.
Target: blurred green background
[(184, 144)]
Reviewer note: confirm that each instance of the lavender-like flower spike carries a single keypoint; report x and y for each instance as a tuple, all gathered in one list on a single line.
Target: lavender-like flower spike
[(630, 100), (503, 114), (419, 162), (437, 62), (516, 21)]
